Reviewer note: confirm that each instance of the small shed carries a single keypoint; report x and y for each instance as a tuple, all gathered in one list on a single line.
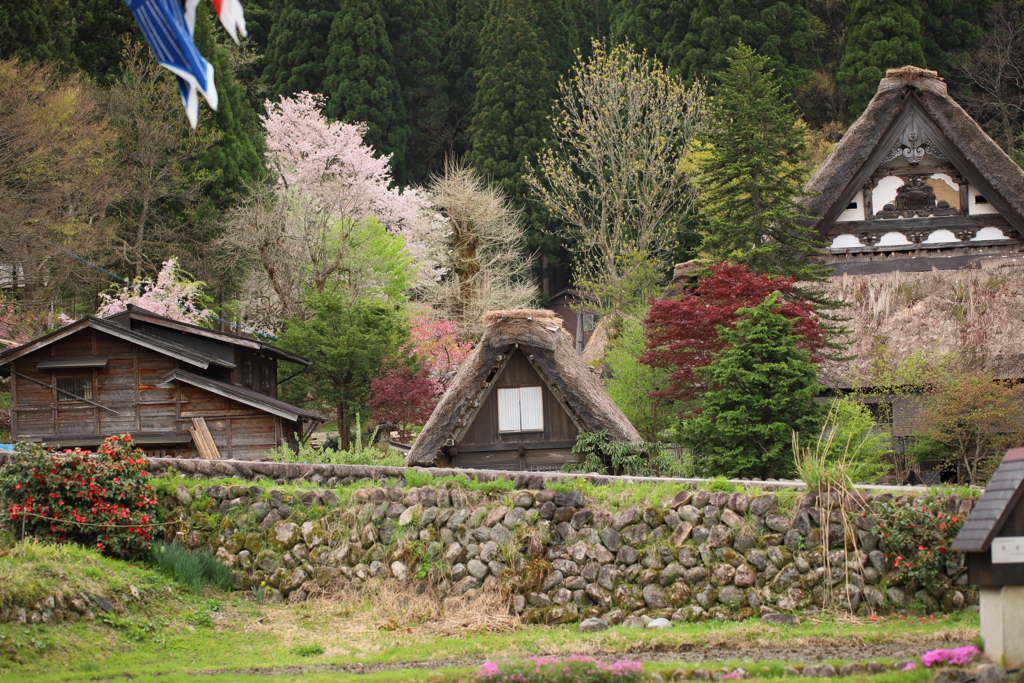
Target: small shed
[(993, 540), (519, 400), (178, 389)]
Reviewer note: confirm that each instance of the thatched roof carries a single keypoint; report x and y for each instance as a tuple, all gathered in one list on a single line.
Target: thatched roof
[(987, 165), (540, 335), (977, 313)]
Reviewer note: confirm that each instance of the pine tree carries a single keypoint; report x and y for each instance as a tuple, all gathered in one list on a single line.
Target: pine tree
[(297, 48), (883, 34), (949, 27), (513, 98), (416, 30), (651, 25), (37, 30), (235, 160), (751, 171), (460, 63), (762, 389), (781, 32), (361, 84), (100, 29)]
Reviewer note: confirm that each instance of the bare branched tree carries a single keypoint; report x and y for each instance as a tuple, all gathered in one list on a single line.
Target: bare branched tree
[(614, 173), (481, 257), (994, 72), (56, 180)]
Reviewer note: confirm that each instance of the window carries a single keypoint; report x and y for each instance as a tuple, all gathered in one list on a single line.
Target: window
[(247, 372), (520, 409), (589, 321), (852, 205), (264, 377), (978, 199), (74, 388)]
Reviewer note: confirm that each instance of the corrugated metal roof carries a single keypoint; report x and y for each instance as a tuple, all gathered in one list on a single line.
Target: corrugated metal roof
[(1001, 495), (244, 395)]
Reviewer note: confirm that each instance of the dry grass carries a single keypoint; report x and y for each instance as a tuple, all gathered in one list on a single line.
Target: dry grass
[(378, 614)]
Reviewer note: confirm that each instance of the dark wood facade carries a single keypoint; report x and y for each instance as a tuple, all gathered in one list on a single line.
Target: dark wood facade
[(149, 380), (484, 445)]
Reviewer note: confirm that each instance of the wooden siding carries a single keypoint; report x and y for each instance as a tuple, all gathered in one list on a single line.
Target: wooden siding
[(484, 446), (129, 387)]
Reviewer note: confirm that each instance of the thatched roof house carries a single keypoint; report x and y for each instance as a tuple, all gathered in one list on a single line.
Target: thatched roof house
[(916, 184), (519, 400)]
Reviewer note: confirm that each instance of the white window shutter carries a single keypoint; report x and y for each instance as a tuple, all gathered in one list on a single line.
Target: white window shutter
[(508, 410), (531, 405)]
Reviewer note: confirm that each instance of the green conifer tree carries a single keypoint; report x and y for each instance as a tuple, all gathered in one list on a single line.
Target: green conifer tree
[(235, 161), (883, 34), (37, 30), (416, 30), (514, 96), (460, 63), (750, 172), (780, 31), (297, 46), (361, 84), (100, 29), (762, 389)]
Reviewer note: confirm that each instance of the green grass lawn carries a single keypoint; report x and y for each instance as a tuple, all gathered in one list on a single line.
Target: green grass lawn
[(176, 634)]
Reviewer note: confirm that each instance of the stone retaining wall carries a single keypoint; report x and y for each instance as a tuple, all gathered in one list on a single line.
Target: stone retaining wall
[(701, 555)]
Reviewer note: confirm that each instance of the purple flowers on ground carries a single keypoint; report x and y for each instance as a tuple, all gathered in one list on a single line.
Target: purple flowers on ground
[(573, 669), (959, 656)]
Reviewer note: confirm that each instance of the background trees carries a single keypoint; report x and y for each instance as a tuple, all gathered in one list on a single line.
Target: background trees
[(613, 173), (478, 253)]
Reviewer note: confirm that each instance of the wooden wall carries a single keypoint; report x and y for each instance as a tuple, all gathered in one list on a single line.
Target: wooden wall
[(129, 385), (483, 446)]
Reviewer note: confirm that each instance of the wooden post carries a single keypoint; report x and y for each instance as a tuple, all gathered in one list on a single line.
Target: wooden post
[(203, 440)]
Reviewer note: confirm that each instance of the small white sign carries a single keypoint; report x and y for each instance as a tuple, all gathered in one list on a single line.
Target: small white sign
[(1008, 550)]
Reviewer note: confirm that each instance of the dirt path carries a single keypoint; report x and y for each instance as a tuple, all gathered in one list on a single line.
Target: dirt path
[(811, 654)]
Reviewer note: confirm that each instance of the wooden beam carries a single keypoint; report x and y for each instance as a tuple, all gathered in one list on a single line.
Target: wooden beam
[(67, 393), (205, 444)]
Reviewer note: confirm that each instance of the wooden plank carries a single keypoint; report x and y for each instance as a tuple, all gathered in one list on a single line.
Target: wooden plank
[(204, 440)]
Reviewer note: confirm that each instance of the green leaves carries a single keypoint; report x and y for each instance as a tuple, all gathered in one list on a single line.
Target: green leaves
[(762, 388)]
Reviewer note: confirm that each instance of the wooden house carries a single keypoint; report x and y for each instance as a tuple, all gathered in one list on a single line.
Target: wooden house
[(519, 400), (992, 538), (152, 377), (577, 319)]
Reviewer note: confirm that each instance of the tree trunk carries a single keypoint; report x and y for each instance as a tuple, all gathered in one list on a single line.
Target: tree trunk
[(344, 432)]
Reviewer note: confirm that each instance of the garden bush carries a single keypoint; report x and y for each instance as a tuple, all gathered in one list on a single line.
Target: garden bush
[(916, 539), (193, 569), (574, 669), (604, 456), (100, 500)]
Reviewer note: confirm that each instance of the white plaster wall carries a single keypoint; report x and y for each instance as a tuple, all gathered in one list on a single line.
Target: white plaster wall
[(975, 208), (885, 192), (941, 236), (988, 234), (893, 239), (854, 214), (846, 242)]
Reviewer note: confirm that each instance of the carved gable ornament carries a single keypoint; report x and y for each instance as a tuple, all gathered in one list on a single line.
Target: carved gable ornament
[(913, 143)]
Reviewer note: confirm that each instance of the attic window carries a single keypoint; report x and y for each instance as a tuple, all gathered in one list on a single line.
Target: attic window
[(589, 321), (74, 388), (852, 205), (520, 409), (978, 199)]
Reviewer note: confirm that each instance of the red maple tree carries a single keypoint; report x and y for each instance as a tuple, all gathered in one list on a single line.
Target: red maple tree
[(402, 396), (683, 333)]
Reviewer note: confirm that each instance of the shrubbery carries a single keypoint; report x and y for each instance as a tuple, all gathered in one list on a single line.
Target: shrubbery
[(604, 456), (194, 569), (916, 540), (100, 500)]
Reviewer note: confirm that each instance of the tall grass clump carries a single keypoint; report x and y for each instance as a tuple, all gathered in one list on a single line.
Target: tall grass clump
[(330, 454), (849, 450), (193, 569)]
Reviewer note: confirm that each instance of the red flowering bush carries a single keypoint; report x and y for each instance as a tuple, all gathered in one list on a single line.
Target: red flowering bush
[(100, 500), (916, 538)]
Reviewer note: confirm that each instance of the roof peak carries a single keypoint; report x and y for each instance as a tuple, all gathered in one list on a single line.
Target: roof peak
[(915, 77)]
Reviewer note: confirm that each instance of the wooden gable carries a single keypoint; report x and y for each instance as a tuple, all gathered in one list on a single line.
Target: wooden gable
[(483, 444)]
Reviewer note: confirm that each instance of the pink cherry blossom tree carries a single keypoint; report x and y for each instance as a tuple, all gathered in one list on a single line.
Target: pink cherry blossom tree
[(172, 294)]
